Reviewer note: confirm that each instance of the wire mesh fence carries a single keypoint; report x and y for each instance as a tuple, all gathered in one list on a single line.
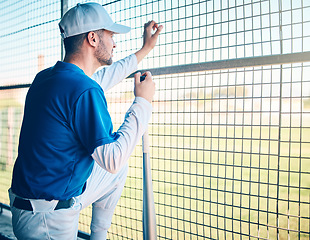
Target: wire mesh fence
[(230, 145)]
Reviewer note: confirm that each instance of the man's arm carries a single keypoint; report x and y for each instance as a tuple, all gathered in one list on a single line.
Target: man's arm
[(112, 75), (108, 77), (112, 157)]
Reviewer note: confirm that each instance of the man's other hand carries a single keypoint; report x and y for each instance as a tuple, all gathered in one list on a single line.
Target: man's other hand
[(146, 88)]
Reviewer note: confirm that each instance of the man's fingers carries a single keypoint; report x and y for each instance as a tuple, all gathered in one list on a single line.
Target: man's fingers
[(155, 26), (149, 23), (152, 25), (137, 77), (148, 75), (158, 30)]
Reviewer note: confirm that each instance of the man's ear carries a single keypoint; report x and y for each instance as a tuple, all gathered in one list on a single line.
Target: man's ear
[(92, 39)]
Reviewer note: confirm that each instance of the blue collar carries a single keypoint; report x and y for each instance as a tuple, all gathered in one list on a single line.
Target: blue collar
[(68, 66)]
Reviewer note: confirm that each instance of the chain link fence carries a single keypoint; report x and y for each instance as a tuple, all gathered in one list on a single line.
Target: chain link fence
[(230, 130)]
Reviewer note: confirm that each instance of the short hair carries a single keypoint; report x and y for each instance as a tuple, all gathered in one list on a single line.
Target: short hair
[(73, 44)]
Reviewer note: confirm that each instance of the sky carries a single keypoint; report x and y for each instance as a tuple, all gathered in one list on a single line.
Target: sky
[(194, 31)]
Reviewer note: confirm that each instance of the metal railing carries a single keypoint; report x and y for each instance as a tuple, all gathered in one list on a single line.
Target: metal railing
[(231, 116)]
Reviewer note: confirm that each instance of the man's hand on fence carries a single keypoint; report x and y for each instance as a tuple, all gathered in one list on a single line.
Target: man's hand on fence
[(149, 39)]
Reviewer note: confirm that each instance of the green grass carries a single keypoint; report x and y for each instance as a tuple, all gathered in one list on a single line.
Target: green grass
[(229, 184), (216, 182)]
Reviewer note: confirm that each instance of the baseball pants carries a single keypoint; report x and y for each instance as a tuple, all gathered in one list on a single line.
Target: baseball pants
[(103, 191)]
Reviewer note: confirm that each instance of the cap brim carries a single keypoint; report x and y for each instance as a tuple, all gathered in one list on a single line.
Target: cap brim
[(118, 28)]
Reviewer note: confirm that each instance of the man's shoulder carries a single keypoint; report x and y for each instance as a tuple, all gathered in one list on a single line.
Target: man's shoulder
[(68, 76), (62, 83)]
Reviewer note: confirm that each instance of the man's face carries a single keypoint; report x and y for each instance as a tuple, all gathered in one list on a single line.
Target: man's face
[(104, 51)]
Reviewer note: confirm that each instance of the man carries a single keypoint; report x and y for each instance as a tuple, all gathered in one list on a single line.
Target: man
[(68, 155)]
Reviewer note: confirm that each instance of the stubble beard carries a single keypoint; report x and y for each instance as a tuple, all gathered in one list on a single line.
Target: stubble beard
[(102, 55)]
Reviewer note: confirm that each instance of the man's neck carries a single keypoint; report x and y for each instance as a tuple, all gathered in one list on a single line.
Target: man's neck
[(84, 62)]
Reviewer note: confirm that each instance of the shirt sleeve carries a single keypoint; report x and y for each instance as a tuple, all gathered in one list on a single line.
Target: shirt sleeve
[(112, 157), (110, 76), (91, 120)]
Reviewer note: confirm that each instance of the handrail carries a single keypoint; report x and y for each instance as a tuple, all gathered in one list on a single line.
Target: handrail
[(215, 65), (232, 64)]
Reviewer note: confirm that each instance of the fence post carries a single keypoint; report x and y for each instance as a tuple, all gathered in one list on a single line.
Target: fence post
[(280, 122), (10, 135), (63, 10), (3, 163)]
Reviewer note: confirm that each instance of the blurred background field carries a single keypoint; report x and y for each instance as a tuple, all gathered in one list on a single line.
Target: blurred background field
[(210, 180)]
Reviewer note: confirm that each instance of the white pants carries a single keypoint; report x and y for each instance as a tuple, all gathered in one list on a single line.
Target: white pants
[(103, 191)]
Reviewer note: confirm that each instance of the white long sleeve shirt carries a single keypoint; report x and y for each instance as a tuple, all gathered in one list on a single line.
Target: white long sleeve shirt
[(112, 157)]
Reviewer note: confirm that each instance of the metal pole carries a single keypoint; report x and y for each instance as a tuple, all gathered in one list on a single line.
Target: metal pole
[(149, 215), (64, 9), (280, 122)]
